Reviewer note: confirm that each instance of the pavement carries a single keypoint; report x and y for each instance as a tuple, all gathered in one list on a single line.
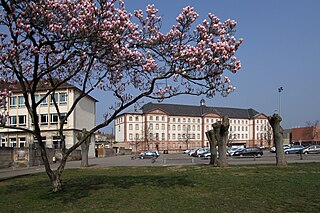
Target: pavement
[(163, 160)]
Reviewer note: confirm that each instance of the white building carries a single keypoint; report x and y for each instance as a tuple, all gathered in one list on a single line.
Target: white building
[(83, 116), (177, 127)]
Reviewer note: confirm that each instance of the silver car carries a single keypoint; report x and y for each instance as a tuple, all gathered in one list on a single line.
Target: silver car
[(314, 149)]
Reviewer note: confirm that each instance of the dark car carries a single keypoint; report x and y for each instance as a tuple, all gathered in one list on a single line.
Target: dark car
[(250, 151), (295, 149), (149, 154)]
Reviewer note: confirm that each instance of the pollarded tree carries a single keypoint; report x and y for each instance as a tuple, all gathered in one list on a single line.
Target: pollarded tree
[(98, 44)]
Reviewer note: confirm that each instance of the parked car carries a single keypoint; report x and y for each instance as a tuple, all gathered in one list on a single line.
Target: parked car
[(250, 151), (295, 149), (149, 154), (232, 150), (273, 149), (192, 151), (313, 149), (205, 155), (186, 151), (199, 152)]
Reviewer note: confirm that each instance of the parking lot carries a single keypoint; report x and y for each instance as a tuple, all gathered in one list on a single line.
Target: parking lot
[(163, 160)]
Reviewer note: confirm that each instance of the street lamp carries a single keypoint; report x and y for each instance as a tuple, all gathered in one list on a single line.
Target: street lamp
[(280, 89)]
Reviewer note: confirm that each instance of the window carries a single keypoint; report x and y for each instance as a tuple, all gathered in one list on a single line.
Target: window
[(198, 136), (173, 136), (13, 102), (22, 142), (137, 118), (163, 126), (130, 136), (21, 101), (56, 142), (130, 127), (168, 136), (179, 127), (137, 126), (22, 120), (137, 136), (130, 118), (179, 120), (163, 118), (63, 115), (44, 119), (150, 118), (173, 119), (184, 120), (13, 142), (179, 136), (157, 126), (163, 136), (63, 98), (151, 126), (184, 127), (53, 97), (157, 118), (157, 136), (13, 120), (173, 127), (198, 120), (45, 101), (189, 120), (3, 142), (53, 118)]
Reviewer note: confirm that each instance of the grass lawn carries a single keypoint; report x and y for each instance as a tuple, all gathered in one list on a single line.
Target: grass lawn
[(254, 188)]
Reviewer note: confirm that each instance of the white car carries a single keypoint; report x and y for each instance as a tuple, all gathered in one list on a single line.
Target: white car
[(314, 149)]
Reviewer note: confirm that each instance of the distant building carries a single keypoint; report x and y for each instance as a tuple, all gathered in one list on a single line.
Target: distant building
[(306, 135), (104, 140), (83, 116), (177, 127)]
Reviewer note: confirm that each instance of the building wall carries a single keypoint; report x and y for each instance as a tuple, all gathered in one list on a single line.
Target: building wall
[(306, 134), (157, 130), (82, 117)]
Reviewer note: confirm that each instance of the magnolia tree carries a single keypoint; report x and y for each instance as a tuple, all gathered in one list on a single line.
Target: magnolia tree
[(97, 44)]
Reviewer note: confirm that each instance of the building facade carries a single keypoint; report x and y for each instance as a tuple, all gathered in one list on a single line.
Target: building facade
[(83, 116), (178, 127), (306, 135)]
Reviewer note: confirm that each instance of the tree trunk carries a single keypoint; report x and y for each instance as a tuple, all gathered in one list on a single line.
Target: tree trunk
[(218, 136), (213, 147), (278, 139), (222, 136), (56, 182), (84, 148)]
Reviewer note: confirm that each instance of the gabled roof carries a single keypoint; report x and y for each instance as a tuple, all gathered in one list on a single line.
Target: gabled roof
[(188, 110)]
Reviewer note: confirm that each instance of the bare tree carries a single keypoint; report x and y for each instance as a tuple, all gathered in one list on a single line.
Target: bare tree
[(278, 139), (218, 137)]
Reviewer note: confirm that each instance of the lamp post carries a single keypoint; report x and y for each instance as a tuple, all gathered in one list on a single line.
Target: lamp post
[(280, 89)]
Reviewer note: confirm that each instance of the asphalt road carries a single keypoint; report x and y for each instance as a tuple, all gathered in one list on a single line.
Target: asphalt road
[(162, 160)]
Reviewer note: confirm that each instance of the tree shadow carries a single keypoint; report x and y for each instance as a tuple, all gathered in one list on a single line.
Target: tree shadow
[(75, 189)]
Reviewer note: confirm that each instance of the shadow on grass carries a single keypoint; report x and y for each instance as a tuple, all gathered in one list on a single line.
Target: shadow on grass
[(77, 187)]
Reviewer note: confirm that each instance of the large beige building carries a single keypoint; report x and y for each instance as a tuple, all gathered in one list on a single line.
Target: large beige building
[(83, 116), (178, 127)]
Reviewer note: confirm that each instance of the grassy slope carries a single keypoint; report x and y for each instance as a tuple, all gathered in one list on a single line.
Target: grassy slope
[(262, 188)]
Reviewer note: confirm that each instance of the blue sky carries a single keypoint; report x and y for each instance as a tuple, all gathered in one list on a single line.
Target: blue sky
[(281, 48)]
